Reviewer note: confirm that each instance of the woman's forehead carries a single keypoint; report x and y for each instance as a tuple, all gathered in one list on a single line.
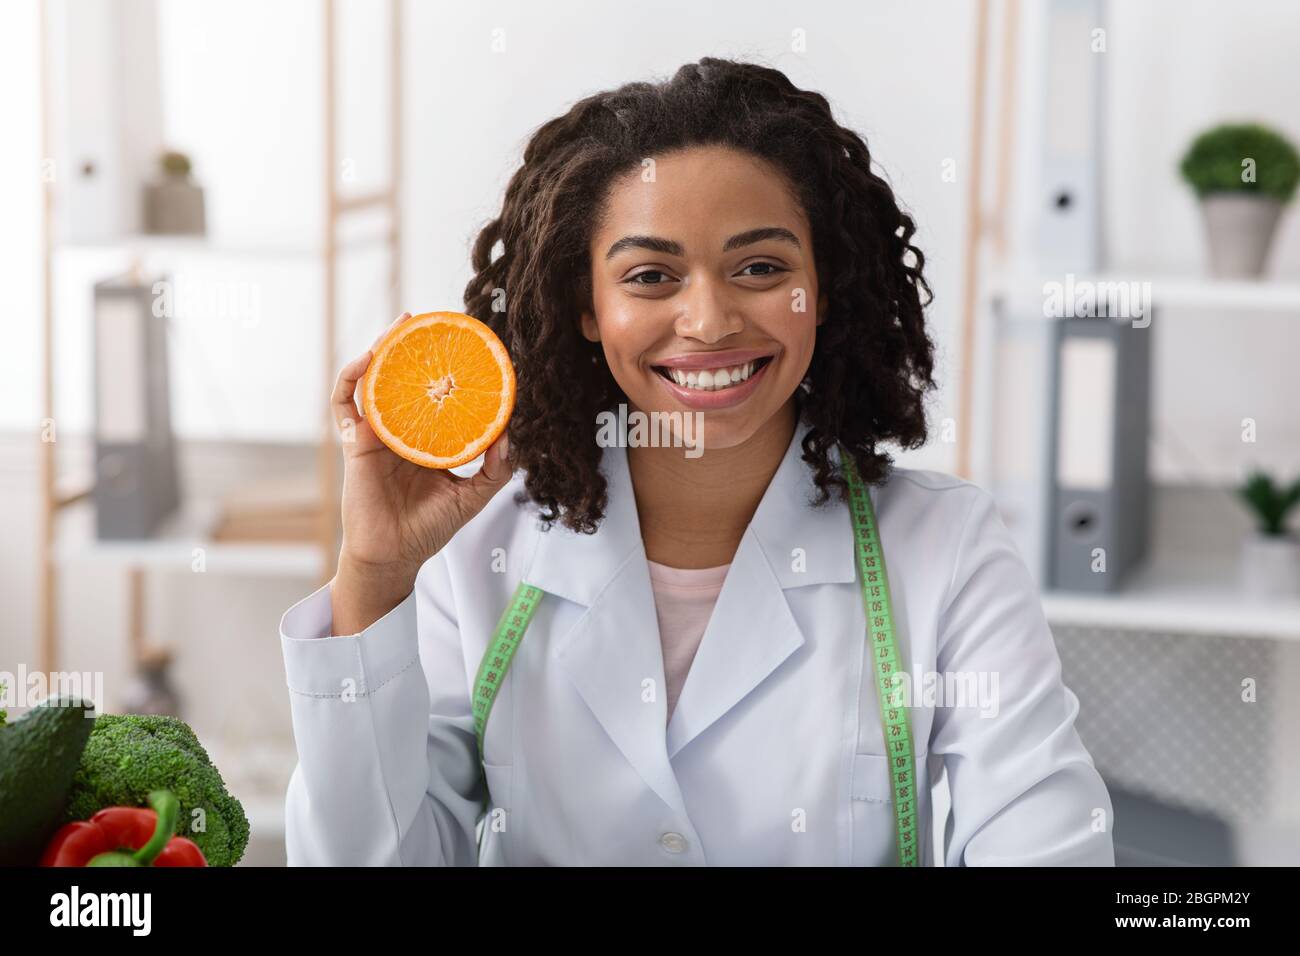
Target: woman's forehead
[(699, 199)]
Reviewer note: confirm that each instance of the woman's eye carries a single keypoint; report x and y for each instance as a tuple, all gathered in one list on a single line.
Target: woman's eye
[(635, 280), (772, 267)]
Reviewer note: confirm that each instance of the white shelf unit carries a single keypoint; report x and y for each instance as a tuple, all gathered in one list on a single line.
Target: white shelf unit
[(206, 245), (1195, 594), (183, 539), (67, 526), (1171, 291)]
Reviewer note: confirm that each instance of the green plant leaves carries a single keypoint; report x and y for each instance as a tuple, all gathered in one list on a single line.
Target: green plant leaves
[(1242, 158), (1270, 502)]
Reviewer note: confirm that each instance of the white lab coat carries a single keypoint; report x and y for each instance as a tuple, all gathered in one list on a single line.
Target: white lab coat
[(774, 754)]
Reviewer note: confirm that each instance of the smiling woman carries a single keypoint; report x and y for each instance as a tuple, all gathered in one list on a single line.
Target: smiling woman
[(718, 218), (698, 654)]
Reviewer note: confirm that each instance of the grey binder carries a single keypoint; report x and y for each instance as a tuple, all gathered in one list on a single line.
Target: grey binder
[(136, 484), (1098, 506)]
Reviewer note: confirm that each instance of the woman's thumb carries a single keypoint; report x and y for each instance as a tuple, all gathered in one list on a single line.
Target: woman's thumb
[(496, 470), (497, 460)]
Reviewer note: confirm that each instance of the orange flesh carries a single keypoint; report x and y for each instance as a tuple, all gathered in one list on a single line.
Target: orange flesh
[(440, 389)]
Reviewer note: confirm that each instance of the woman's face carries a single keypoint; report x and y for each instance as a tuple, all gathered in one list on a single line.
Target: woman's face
[(704, 290)]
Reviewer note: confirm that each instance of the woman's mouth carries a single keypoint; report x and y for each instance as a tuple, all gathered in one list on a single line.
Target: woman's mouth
[(713, 388), (713, 380)]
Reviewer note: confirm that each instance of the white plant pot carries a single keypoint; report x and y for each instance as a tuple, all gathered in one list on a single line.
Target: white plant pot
[(173, 205), (1239, 229), (1270, 565)]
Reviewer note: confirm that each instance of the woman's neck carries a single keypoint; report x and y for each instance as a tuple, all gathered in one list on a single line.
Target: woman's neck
[(694, 511)]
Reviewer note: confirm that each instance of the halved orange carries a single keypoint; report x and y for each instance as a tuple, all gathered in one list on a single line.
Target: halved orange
[(439, 390)]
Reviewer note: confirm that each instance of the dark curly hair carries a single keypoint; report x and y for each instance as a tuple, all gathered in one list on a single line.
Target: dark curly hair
[(873, 360)]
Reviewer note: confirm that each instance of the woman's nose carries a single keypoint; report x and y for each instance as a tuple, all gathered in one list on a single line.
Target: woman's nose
[(709, 314)]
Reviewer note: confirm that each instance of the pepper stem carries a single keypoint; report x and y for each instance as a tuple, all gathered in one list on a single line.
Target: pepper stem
[(168, 808)]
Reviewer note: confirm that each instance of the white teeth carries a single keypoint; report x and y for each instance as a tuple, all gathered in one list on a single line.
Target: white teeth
[(711, 380)]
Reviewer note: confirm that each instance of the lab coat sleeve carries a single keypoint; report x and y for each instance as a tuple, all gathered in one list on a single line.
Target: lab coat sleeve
[(1024, 788), (387, 770)]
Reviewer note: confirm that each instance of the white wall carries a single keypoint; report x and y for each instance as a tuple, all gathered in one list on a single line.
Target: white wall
[(1174, 70), (1170, 70), (242, 95), (20, 194)]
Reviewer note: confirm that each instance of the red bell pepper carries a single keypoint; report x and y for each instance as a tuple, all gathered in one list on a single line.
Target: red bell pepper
[(125, 836)]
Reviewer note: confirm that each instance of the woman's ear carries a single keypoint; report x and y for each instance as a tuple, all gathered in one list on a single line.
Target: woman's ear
[(590, 330)]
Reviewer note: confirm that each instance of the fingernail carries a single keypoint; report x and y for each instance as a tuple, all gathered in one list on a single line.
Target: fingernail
[(503, 449)]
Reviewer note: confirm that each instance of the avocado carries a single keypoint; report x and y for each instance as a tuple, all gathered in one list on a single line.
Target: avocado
[(39, 754)]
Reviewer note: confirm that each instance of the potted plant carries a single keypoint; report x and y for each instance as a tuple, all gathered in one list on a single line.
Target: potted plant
[(1243, 175), (1270, 557), (173, 202)]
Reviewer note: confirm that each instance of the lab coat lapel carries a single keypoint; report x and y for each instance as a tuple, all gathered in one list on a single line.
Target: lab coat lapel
[(752, 631), (749, 634), (614, 648)]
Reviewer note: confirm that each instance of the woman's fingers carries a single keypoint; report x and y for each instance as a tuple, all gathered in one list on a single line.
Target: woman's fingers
[(342, 401), (478, 489)]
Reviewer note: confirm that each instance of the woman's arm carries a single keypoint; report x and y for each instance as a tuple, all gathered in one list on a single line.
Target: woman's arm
[(388, 771), (387, 758), (1024, 788)]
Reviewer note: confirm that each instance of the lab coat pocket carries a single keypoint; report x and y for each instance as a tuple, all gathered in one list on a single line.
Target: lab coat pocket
[(499, 814), (873, 811), (875, 822)]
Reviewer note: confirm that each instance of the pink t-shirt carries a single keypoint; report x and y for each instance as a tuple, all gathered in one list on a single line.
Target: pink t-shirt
[(684, 599)]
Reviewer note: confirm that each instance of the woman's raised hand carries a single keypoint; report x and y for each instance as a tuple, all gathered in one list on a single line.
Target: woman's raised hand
[(396, 514)]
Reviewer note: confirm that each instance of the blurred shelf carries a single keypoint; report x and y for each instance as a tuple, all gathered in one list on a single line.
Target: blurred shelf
[(1193, 292), (1184, 292), (347, 220), (208, 246), (1196, 594), (173, 547)]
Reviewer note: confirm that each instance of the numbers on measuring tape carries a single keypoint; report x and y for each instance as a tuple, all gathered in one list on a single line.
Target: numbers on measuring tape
[(895, 721), (501, 651), (496, 662)]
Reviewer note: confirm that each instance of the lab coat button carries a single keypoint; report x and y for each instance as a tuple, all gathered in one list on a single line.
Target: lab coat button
[(673, 842)]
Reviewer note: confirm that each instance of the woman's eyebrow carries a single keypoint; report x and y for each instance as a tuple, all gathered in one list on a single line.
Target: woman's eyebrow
[(760, 235), (673, 248), (653, 243)]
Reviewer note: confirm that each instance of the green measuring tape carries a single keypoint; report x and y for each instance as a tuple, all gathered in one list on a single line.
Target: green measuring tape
[(496, 661), (883, 645), (895, 718)]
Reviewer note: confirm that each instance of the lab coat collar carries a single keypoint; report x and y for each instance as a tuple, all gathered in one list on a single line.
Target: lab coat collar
[(613, 653), (578, 567)]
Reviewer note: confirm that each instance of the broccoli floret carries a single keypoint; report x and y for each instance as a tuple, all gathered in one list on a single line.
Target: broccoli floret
[(129, 755)]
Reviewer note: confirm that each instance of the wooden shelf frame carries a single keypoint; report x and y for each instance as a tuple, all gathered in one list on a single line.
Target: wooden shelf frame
[(56, 495)]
